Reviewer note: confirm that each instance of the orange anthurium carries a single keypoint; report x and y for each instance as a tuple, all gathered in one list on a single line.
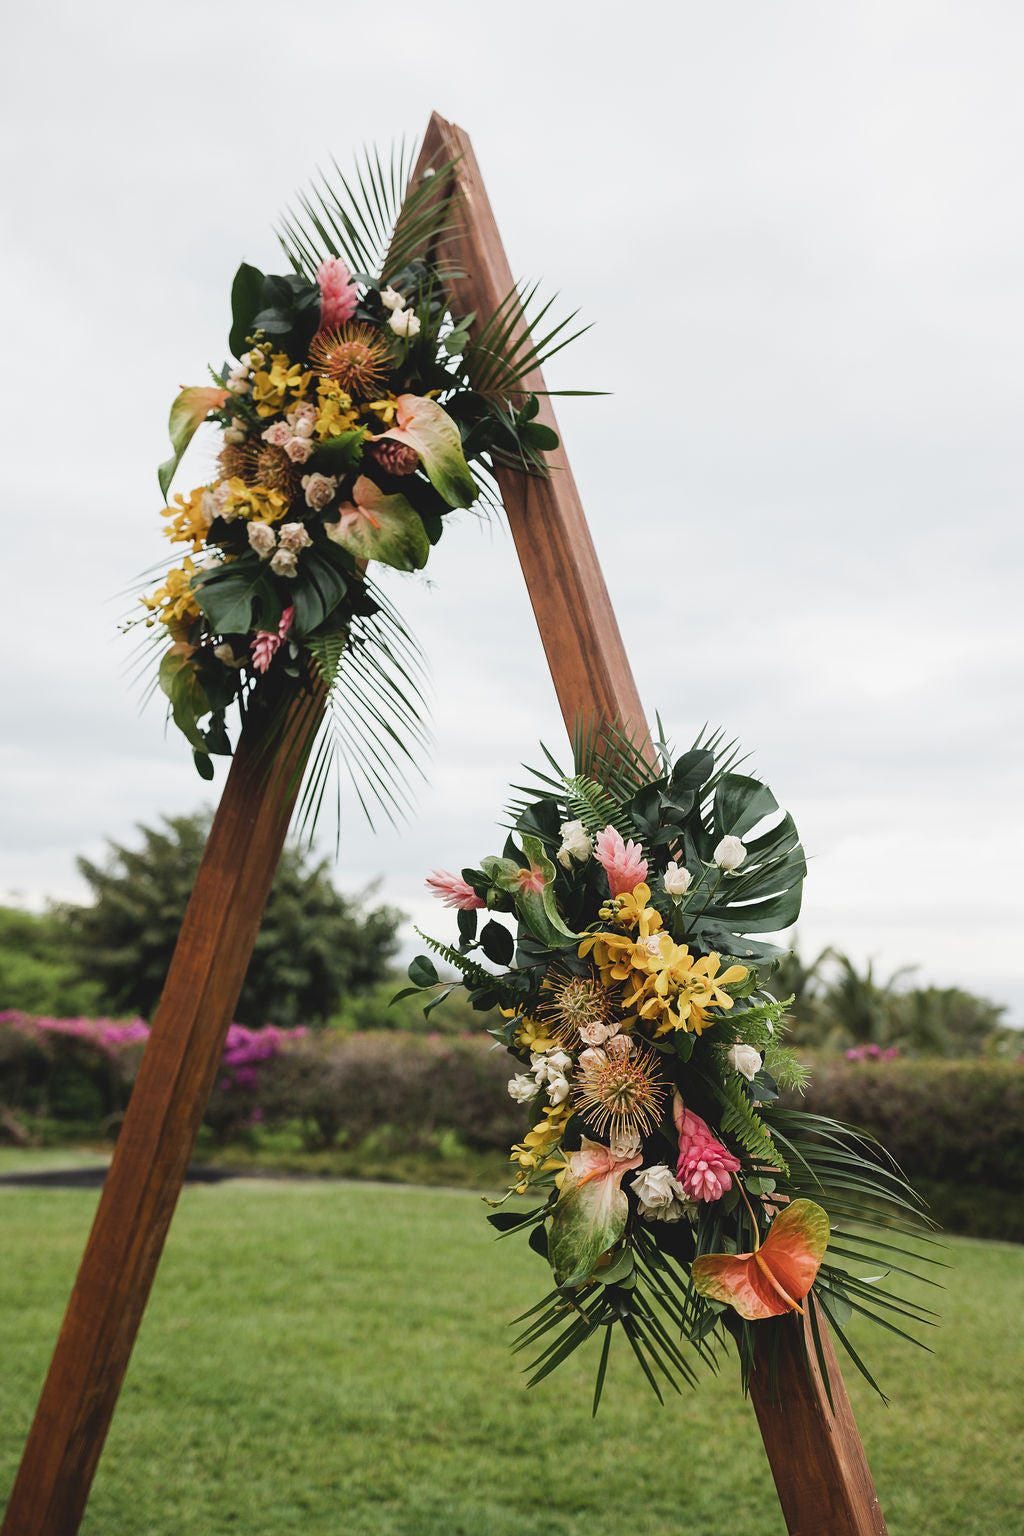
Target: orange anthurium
[(776, 1277), (191, 407)]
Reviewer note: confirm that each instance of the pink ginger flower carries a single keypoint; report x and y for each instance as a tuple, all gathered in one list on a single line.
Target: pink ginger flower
[(624, 863), (704, 1165), (266, 644), (454, 891), (338, 296)]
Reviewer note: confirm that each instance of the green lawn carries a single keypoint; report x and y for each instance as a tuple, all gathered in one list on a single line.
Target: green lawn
[(330, 1359)]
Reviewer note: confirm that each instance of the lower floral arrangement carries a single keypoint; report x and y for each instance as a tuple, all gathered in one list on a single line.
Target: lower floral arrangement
[(676, 1199)]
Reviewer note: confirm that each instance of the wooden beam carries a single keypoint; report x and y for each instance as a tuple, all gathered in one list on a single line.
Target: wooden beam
[(150, 1160), (816, 1457), (574, 614)]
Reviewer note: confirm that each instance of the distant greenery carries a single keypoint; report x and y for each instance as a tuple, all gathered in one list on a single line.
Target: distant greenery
[(314, 946), (37, 973), (837, 1007), (324, 1358)]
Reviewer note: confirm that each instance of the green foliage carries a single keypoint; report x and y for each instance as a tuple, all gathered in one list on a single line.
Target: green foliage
[(314, 945), (36, 972), (741, 1119), (837, 1006)]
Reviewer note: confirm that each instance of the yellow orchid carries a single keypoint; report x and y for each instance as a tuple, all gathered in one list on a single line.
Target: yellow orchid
[(334, 410), (533, 1153), (178, 608), (384, 410), (532, 1035), (283, 383), (188, 521), (254, 501)]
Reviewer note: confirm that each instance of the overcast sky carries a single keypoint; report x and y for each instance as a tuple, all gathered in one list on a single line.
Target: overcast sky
[(797, 231)]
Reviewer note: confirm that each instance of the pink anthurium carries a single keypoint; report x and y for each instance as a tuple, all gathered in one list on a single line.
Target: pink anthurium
[(426, 427), (191, 407), (591, 1211), (375, 526), (776, 1277)]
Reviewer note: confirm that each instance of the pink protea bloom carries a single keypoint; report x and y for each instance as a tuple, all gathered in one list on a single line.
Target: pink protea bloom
[(624, 863), (704, 1166), (454, 891), (338, 296)]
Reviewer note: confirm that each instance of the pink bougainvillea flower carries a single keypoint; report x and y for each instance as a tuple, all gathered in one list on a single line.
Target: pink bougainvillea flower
[(704, 1166), (624, 863), (776, 1277), (338, 296), (453, 891)]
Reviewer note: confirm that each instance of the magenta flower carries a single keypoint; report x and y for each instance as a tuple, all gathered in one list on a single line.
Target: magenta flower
[(624, 863), (454, 891), (338, 296), (704, 1166)]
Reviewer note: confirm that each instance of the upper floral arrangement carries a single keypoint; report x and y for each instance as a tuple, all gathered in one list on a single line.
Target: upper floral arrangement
[(359, 410), (682, 1198)]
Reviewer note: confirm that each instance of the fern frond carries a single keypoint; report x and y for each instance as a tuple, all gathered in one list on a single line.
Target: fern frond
[(740, 1119), (473, 974), (756, 1025), (589, 802), (782, 1063)]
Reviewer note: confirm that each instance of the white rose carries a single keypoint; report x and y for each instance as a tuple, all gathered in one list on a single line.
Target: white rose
[(391, 300), (677, 879), (593, 1060), (522, 1088), (298, 416), (319, 490), (558, 1089), (730, 853), (619, 1046), (743, 1058), (235, 435), (239, 386), (660, 1195), (262, 539), (279, 434), (298, 449), (304, 428), (575, 843), (239, 371), (404, 323), (294, 536), (285, 563), (596, 1033)]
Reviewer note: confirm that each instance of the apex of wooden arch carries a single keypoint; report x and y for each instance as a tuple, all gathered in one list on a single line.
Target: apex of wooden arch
[(815, 1452)]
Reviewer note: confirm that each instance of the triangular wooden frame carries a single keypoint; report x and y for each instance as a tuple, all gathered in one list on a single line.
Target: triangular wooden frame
[(815, 1452)]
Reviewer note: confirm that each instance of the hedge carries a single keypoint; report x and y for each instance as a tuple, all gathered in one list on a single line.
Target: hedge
[(955, 1127)]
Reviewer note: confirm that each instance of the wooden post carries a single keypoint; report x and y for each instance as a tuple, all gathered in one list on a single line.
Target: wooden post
[(816, 1456), (153, 1150)]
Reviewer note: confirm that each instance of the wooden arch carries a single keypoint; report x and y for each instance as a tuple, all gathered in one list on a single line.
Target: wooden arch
[(816, 1456)]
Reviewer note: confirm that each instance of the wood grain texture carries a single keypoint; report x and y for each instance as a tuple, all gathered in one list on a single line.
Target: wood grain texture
[(817, 1458), (577, 625), (156, 1141)]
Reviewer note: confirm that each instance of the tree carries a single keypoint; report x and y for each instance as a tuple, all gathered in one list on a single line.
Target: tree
[(314, 946), (36, 974)]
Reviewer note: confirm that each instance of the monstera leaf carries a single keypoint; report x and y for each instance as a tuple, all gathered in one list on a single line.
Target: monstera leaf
[(776, 1277), (591, 1211)]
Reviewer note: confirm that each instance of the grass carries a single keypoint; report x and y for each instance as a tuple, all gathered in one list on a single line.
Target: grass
[(330, 1359)]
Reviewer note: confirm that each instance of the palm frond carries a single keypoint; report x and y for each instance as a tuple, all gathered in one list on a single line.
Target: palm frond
[(372, 219), (503, 351)]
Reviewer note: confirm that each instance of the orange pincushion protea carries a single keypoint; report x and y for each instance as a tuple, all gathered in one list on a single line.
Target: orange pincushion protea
[(355, 355)]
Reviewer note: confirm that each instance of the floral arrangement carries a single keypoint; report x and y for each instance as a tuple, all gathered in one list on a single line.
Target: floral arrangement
[(680, 1199), (349, 419)]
